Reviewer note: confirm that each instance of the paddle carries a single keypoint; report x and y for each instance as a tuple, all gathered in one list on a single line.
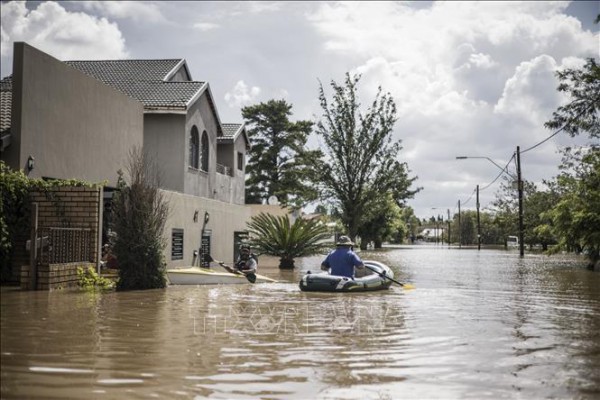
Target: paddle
[(404, 285), (250, 275)]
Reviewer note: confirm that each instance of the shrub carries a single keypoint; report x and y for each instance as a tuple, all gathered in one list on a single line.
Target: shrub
[(138, 219)]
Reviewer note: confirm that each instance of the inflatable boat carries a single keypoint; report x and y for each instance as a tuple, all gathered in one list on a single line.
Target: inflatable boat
[(371, 280)]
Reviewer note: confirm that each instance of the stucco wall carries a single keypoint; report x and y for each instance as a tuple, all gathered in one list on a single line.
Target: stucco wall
[(239, 181), (165, 140), (73, 125), (224, 220), (201, 183)]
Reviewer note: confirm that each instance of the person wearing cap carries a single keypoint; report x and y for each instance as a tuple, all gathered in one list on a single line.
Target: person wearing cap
[(343, 259), (246, 262)]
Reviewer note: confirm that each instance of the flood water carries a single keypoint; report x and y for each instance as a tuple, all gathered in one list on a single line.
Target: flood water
[(479, 325)]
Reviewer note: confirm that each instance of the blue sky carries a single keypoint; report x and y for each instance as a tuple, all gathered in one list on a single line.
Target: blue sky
[(469, 78)]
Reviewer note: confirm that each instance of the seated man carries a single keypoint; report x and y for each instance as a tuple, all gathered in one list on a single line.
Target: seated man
[(246, 262), (343, 259)]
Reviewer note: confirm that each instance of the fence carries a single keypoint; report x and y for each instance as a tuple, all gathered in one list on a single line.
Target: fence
[(66, 245)]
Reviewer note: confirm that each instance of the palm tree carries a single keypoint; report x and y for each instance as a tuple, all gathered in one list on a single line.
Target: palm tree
[(277, 236)]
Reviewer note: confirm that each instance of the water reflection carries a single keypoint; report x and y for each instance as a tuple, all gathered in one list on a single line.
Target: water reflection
[(479, 325)]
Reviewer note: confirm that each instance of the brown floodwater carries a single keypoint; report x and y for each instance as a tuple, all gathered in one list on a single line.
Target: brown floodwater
[(479, 325)]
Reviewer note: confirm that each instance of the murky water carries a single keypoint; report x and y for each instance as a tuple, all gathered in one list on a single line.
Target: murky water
[(480, 325)]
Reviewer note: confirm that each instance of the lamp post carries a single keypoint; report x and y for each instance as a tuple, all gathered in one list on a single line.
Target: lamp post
[(520, 191)]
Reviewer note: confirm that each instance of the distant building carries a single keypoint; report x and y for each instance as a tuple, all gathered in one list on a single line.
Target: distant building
[(432, 234)]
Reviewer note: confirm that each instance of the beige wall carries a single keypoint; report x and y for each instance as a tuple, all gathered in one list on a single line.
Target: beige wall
[(196, 182), (73, 125), (166, 142), (225, 219)]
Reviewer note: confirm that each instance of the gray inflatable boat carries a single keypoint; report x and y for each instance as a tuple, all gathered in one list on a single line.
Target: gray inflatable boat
[(323, 282)]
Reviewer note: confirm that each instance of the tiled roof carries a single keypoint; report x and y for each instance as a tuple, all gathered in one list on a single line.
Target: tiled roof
[(229, 130), (5, 104), (144, 81), (127, 70)]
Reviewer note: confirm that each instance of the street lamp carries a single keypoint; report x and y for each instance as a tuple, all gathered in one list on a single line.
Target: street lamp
[(520, 190), (490, 160)]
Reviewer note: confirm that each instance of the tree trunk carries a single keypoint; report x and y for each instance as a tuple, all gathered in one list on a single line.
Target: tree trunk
[(286, 263), (378, 244)]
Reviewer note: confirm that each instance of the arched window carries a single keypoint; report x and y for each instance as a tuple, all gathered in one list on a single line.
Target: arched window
[(204, 157), (194, 148)]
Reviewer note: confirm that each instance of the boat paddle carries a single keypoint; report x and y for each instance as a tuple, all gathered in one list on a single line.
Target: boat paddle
[(250, 275), (404, 285)]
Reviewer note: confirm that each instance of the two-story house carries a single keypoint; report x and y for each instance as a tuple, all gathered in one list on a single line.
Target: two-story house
[(80, 119)]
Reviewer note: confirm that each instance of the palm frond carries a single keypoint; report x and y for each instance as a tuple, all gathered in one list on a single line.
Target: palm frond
[(278, 236)]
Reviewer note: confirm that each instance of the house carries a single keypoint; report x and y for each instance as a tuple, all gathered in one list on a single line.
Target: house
[(432, 234), (81, 119)]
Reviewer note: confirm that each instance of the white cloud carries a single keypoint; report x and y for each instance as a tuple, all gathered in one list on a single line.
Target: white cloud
[(139, 11), (65, 35), (241, 94), (469, 78), (205, 26), (530, 94)]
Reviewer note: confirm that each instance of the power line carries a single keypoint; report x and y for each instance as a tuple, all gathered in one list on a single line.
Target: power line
[(499, 175), (561, 129)]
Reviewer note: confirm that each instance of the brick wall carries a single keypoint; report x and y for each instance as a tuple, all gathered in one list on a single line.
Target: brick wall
[(65, 207), (54, 276), (69, 207)]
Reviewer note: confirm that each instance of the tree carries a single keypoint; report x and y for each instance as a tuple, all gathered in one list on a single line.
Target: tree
[(138, 219), (277, 236), (582, 113), (279, 164), (536, 220), (505, 208), (361, 162), (382, 220), (576, 217)]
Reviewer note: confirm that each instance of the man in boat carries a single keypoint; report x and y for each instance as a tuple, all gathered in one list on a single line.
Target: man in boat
[(343, 260), (246, 262)]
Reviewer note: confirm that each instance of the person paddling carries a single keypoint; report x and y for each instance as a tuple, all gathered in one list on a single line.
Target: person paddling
[(246, 262), (343, 260)]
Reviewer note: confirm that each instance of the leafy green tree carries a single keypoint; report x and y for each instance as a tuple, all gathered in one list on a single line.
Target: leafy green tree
[(576, 217), (382, 220), (536, 220), (582, 113), (138, 219), (361, 163), (277, 236), (410, 228), (505, 207), (490, 233), (468, 227), (279, 164)]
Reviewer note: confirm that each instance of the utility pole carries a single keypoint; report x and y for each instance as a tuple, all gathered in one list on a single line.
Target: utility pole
[(478, 223), (520, 185), (459, 228), (449, 238)]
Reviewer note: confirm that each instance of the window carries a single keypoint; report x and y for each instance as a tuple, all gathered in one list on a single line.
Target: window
[(194, 148), (205, 149), (240, 161)]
